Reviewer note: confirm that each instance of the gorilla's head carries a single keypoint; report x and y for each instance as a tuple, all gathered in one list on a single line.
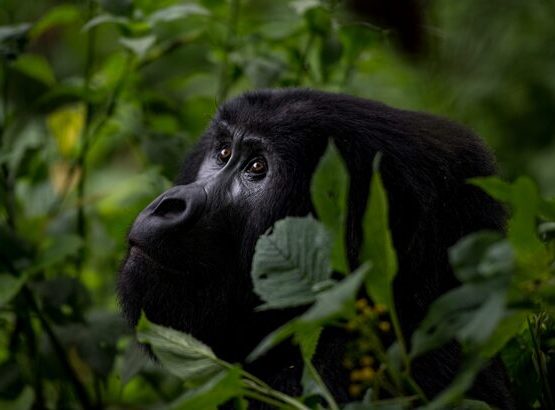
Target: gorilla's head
[(190, 250)]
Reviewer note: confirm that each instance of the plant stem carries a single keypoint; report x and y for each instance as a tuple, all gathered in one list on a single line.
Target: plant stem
[(85, 137), (303, 57), (6, 177), (224, 82), (80, 390), (325, 392)]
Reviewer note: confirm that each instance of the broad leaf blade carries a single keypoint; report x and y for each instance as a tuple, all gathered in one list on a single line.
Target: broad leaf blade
[(329, 194), (378, 244), (180, 353), (291, 262)]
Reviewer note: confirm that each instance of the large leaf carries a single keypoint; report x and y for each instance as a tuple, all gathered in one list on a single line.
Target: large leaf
[(469, 313), (329, 194), (526, 205), (180, 353), (333, 304), (36, 67), (377, 246), (221, 388), (291, 263)]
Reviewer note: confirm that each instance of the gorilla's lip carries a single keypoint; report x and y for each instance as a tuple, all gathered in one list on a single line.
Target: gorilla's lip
[(136, 252)]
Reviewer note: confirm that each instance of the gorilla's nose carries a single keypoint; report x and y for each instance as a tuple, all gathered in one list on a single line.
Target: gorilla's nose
[(176, 209)]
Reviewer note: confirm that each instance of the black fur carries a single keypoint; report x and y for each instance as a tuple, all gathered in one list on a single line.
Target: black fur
[(194, 276)]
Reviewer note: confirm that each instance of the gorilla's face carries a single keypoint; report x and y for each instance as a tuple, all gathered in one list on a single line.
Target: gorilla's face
[(190, 250)]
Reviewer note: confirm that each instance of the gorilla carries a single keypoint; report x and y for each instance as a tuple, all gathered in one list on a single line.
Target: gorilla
[(190, 250)]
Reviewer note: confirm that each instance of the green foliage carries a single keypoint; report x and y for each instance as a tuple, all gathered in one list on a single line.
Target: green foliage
[(100, 99), (291, 263)]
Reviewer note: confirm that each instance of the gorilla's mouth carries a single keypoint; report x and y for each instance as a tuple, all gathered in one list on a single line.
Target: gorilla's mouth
[(139, 256)]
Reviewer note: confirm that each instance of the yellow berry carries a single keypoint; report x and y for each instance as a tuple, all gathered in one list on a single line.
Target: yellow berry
[(366, 360), (367, 374), (361, 304), (355, 375), (384, 326), (355, 390), (348, 363), (367, 311), (379, 308)]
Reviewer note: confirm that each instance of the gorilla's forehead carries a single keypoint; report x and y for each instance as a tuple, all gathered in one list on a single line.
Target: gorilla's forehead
[(271, 115)]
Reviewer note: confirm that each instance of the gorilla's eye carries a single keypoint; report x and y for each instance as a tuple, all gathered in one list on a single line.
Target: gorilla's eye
[(258, 167), (224, 155)]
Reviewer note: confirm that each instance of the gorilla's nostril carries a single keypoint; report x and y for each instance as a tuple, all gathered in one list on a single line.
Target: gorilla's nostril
[(169, 207)]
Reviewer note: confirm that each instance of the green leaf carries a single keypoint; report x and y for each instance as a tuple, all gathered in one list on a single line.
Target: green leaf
[(301, 6), (472, 405), (134, 360), (106, 19), (338, 301), (57, 249), (377, 246), (470, 313), (332, 304), (329, 191), (508, 327), (290, 262), (10, 287), (308, 341), (273, 339), (139, 45), (177, 12), (36, 67), (494, 186), (56, 16), (481, 254), (13, 40), (23, 402), (180, 353), (215, 392), (455, 391)]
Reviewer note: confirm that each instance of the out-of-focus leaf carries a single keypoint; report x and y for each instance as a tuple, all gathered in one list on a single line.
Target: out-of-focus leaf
[(318, 20), (289, 262), (13, 40), (10, 287), (104, 19), (301, 6), (134, 360), (509, 326), (180, 353), (221, 388), (36, 67), (329, 188), (57, 16), (138, 45), (526, 205), (176, 12), (57, 249), (468, 256), (470, 313), (547, 209), (23, 402), (458, 387), (66, 125), (377, 246)]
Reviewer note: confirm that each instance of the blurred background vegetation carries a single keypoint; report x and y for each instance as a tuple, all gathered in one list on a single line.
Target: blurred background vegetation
[(99, 101)]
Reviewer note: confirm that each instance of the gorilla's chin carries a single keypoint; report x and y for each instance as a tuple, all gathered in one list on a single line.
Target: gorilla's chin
[(169, 297)]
